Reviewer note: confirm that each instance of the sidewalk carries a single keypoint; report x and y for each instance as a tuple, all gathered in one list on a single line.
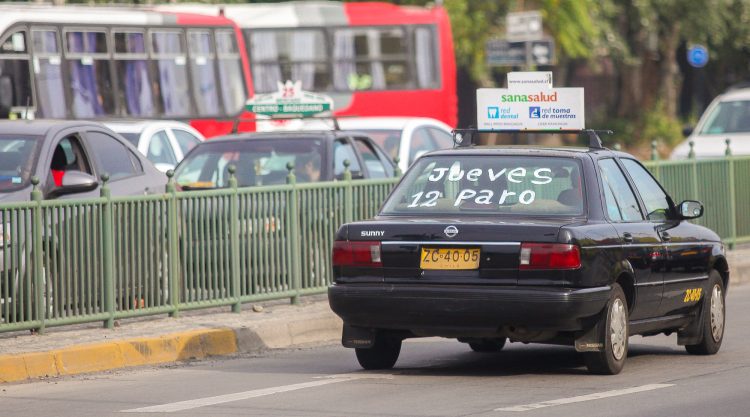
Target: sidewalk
[(160, 339), (198, 334)]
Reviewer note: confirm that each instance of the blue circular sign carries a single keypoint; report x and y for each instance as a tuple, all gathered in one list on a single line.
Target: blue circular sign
[(697, 56)]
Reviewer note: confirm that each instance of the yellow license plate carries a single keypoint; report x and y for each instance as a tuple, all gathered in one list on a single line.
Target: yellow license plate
[(449, 258)]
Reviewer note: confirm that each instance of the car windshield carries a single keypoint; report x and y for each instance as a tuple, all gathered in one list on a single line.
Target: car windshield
[(388, 139), (17, 159), (483, 184), (728, 117), (257, 162)]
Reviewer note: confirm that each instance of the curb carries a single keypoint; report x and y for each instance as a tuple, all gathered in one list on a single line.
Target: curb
[(175, 347)]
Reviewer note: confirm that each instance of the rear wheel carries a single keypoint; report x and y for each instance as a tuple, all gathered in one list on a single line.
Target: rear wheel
[(713, 315), (488, 345), (382, 355), (614, 337)]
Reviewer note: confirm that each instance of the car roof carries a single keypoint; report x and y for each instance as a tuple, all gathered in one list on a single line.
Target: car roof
[(574, 152), (288, 134), (387, 123), (138, 126), (41, 127), (736, 95)]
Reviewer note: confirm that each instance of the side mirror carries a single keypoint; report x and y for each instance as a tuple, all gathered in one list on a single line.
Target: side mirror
[(687, 131), (76, 182), (690, 209)]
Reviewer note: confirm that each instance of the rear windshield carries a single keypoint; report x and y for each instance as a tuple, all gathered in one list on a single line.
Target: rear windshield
[(536, 186), (258, 162), (17, 158)]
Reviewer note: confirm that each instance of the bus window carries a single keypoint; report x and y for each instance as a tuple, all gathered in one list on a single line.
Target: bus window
[(426, 57), (15, 78), (370, 59), (203, 72), (298, 55), (172, 89), (131, 60), (230, 72), (90, 77), (48, 71)]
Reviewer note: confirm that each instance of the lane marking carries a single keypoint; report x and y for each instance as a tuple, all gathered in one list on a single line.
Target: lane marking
[(582, 398), (238, 396)]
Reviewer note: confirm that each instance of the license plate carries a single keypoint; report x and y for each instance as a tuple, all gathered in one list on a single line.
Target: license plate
[(449, 258)]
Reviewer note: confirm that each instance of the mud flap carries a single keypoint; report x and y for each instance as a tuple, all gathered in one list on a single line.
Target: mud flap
[(592, 340), (358, 337), (692, 334)]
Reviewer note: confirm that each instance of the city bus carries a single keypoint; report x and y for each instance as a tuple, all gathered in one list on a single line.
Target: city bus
[(373, 59), (89, 62)]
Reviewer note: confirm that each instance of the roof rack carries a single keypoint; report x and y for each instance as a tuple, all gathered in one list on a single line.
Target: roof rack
[(237, 121), (465, 137)]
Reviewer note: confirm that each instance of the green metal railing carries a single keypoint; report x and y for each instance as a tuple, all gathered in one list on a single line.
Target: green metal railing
[(102, 259), (721, 184)]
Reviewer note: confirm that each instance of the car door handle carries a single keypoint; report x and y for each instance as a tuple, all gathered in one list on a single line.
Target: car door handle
[(665, 236), (627, 237)]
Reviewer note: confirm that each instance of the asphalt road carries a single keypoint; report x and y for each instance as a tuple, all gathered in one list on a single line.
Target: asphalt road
[(433, 377)]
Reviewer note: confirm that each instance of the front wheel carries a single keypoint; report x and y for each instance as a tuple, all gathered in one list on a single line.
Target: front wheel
[(611, 359), (713, 316), (382, 355)]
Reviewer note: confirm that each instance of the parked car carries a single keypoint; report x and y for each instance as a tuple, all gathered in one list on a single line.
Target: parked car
[(69, 158), (727, 117), (571, 246), (164, 142), (262, 158), (405, 137)]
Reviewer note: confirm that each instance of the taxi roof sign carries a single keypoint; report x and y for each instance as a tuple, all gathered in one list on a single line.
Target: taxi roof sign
[(530, 105), (289, 100)]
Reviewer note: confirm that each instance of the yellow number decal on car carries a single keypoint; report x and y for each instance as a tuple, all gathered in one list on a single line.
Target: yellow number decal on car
[(692, 294)]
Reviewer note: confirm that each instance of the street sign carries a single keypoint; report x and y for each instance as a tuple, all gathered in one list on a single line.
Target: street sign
[(290, 100), (500, 52), (523, 26), (697, 56)]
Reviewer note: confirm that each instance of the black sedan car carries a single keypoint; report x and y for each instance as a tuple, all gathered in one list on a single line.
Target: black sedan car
[(568, 246), (262, 158)]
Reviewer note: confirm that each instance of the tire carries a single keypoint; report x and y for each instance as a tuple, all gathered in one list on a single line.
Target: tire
[(488, 345), (382, 355), (614, 337), (713, 314)]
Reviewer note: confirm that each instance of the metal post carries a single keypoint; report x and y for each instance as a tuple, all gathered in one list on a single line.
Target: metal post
[(397, 171), (173, 230), (294, 232), (694, 169), (732, 194), (348, 193), (234, 232), (655, 157), (38, 259), (108, 253)]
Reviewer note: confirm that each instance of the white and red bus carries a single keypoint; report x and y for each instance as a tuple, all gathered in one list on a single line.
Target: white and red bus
[(373, 59), (82, 62)]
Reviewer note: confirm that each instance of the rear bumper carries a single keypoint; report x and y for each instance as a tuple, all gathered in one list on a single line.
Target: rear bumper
[(445, 309)]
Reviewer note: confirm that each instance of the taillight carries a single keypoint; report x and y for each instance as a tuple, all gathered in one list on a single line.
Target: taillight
[(358, 253), (549, 256)]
